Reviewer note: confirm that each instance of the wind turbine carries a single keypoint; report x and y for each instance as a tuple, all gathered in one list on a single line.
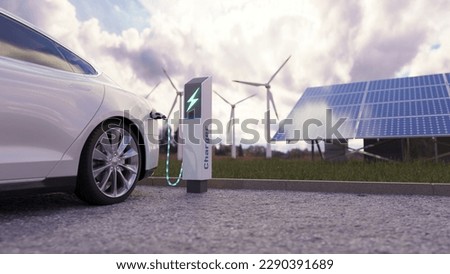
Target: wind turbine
[(269, 99), (179, 95), (231, 122)]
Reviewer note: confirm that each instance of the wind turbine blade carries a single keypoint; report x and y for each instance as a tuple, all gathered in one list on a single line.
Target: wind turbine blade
[(148, 95), (250, 83), (170, 80), (275, 74), (173, 105), (273, 104), (222, 97), (245, 99)]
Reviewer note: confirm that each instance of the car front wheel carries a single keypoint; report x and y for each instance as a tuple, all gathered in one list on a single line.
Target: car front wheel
[(109, 166)]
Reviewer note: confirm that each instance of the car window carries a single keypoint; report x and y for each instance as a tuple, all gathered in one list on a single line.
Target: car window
[(20, 42), (78, 64)]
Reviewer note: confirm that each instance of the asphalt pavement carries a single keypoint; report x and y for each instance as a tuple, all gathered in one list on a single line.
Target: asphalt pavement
[(169, 220)]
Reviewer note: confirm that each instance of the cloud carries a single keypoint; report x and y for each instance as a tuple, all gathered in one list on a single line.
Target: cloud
[(248, 40), (114, 16)]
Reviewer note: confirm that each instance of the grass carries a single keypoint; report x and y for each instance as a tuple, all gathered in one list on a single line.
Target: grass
[(293, 169)]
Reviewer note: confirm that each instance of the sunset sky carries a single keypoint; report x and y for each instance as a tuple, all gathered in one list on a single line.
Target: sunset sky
[(329, 41)]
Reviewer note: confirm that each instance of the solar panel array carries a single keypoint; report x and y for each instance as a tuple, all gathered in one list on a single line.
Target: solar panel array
[(392, 108)]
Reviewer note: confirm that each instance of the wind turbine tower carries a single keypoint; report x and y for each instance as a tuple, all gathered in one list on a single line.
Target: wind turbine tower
[(269, 100)]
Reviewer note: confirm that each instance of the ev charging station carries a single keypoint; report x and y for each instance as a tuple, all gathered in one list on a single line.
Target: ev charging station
[(196, 129)]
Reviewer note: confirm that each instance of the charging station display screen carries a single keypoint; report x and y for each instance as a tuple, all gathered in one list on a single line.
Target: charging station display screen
[(193, 99)]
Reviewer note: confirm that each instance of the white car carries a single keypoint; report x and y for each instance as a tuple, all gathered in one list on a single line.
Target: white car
[(64, 126)]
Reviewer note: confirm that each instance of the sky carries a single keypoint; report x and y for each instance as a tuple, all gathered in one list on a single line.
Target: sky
[(329, 42)]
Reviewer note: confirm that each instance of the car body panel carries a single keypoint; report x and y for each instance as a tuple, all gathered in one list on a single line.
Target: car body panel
[(128, 106), (42, 112)]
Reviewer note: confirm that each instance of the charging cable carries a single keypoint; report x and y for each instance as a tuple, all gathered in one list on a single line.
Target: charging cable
[(168, 162)]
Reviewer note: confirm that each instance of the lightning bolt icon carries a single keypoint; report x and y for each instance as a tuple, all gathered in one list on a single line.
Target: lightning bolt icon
[(193, 100)]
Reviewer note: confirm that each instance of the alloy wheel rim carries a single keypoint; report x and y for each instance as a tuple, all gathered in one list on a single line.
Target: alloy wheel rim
[(115, 162)]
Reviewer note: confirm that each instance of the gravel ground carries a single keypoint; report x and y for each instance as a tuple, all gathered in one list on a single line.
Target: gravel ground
[(169, 220)]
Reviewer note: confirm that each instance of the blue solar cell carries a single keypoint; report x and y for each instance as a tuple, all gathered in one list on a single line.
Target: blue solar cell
[(396, 83), (430, 124), (435, 125), (425, 109), (426, 92), (390, 111), (417, 93), (439, 79), (408, 109), (443, 91), (376, 110), (404, 127), (373, 85), (432, 92), (437, 107), (440, 106), (448, 77), (445, 105), (396, 94), (370, 97), (417, 81), (446, 121), (417, 110), (431, 107), (401, 109), (352, 88), (385, 96), (405, 82), (436, 79), (389, 84)]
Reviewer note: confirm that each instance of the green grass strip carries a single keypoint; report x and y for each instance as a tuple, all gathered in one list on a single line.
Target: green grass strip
[(293, 169)]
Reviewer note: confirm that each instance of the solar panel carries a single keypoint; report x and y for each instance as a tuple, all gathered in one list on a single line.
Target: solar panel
[(391, 108), (310, 113)]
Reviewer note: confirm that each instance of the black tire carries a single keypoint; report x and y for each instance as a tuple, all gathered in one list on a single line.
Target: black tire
[(109, 165)]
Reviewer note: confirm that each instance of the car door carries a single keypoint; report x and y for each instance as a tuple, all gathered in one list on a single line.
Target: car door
[(44, 103)]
